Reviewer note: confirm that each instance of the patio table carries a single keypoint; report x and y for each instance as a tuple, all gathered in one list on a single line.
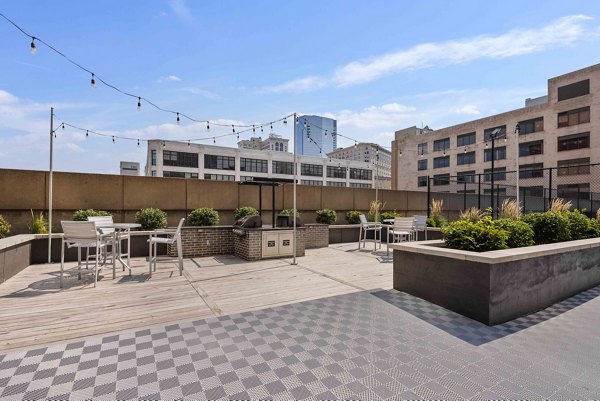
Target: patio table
[(120, 229)]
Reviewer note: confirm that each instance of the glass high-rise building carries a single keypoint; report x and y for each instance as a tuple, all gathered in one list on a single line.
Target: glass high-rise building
[(316, 135)]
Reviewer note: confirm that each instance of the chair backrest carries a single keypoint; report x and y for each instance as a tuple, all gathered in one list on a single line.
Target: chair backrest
[(178, 231), (79, 231), (363, 219), (420, 222), (101, 222), (403, 223)]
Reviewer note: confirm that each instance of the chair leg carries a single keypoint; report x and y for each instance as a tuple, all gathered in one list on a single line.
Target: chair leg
[(359, 236), (180, 256), (96, 269), (129, 253), (62, 260), (155, 255), (150, 258)]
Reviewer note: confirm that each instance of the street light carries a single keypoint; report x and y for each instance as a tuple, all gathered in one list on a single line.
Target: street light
[(495, 134)]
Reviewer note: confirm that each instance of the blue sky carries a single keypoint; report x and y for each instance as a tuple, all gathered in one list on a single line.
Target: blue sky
[(376, 66)]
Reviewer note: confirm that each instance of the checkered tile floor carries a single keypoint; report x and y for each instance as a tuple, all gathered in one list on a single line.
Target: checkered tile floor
[(380, 345)]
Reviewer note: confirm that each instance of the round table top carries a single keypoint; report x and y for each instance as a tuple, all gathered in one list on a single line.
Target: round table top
[(121, 225)]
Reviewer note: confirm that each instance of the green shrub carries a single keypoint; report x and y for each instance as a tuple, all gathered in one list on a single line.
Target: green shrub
[(204, 216), (244, 211), (548, 227), (519, 233), (326, 216), (594, 228), (4, 227), (437, 220), (353, 217), (389, 215), (151, 218), (82, 215), (579, 225), (480, 236), (38, 225), (290, 212)]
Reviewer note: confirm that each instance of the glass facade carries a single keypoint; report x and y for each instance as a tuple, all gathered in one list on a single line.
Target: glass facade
[(316, 135)]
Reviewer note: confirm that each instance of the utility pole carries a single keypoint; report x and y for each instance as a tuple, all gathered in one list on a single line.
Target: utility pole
[(517, 133), (493, 136), (50, 186)]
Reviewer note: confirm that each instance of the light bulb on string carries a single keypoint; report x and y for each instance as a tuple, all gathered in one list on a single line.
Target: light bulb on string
[(63, 126), (164, 144), (178, 119), (87, 133), (139, 105), (400, 152), (33, 46), (233, 127), (253, 130), (93, 81), (271, 126), (486, 145), (214, 140), (189, 143), (261, 129), (208, 125), (138, 142), (284, 121), (238, 136), (465, 149), (113, 139)]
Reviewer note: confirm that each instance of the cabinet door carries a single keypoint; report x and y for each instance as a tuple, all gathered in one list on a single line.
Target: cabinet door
[(270, 246), (286, 243)]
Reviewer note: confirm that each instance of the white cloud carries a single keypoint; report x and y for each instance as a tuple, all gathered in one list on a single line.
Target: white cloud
[(389, 115), (202, 92), (467, 109), (180, 9), (559, 33), (170, 78)]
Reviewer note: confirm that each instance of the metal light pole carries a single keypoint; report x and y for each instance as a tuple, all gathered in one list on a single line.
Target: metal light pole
[(517, 133), (50, 186), (493, 136), (295, 179), (376, 186)]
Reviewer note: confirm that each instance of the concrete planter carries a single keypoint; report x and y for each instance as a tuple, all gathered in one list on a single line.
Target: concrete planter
[(497, 286)]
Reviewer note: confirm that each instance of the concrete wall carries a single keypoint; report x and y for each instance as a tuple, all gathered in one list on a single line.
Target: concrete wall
[(23, 190)]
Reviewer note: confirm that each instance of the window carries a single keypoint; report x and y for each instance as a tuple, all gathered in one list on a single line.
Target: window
[(283, 167), (574, 90), (576, 141), (311, 182), (534, 170), (359, 185), (440, 162), (465, 158), (179, 174), (336, 184), (180, 159), (500, 154), (219, 177), (574, 166), (153, 157), (497, 191), (422, 148), (488, 132), (573, 191), (153, 173), (466, 176), (537, 191), (499, 174), (313, 170), (531, 126), (422, 165), (465, 139), (361, 174), (441, 144), (336, 172), (247, 178), (422, 181), (574, 117), (253, 165), (441, 179), (531, 148), (219, 162)]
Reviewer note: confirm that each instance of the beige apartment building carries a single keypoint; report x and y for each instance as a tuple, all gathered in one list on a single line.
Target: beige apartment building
[(372, 153), (557, 130)]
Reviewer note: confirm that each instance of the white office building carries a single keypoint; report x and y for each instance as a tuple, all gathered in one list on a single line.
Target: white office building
[(274, 142), (183, 160), (130, 168)]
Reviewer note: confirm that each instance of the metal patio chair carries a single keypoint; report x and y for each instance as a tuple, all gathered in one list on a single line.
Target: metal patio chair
[(172, 237), (367, 226), (402, 230)]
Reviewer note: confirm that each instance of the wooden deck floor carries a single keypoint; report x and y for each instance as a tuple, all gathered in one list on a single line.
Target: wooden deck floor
[(34, 311)]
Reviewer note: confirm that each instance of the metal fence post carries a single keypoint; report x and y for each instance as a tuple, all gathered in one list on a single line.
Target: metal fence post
[(549, 190), (465, 195), (428, 195), (479, 191)]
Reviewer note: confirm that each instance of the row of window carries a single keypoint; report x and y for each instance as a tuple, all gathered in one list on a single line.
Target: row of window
[(564, 119), (568, 142)]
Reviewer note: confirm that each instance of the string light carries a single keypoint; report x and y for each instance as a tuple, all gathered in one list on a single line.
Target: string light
[(178, 118), (189, 143), (261, 129), (253, 130), (138, 142), (465, 151), (214, 140), (400, 154), (93, 81), (113, 139), (285, 121), (208, 125), (164, 144), (33, 46), (233, 127), (87, 133), (139, 106)]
